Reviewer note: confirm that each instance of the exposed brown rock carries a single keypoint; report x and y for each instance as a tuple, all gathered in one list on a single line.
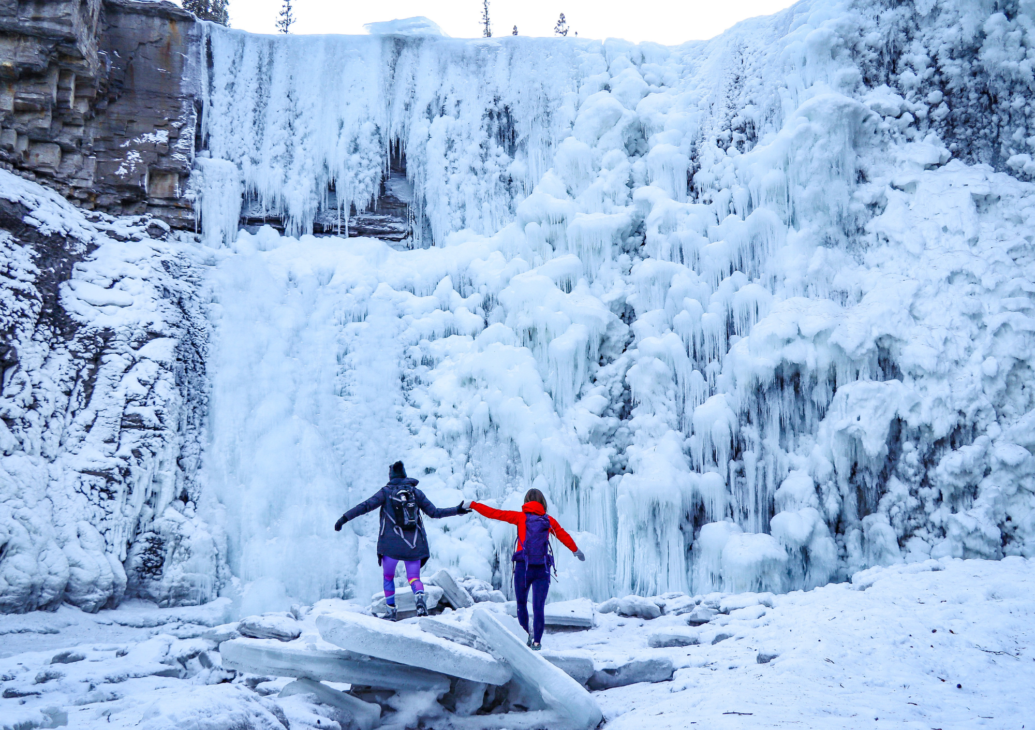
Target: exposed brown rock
[(98, 100)]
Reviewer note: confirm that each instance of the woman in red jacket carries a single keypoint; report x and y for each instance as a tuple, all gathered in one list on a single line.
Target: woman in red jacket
[(533, 556)]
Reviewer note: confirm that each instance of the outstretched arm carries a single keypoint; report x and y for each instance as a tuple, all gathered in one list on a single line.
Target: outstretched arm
[(362, 508), (502, 515), (432, 511), (562, 535)]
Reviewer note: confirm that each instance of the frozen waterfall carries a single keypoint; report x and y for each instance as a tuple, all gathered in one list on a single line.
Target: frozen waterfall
[(754, 313)]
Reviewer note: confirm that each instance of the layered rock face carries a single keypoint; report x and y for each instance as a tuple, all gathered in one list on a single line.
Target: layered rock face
[(97, 100)]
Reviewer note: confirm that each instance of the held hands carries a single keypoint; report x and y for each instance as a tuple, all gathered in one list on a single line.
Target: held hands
[(580, 556), (341, 521), (464, 507)]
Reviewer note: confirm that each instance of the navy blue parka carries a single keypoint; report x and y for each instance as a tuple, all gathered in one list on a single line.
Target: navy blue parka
[(392, 540)]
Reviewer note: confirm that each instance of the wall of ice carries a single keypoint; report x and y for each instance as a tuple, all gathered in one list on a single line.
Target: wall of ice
[(755, 313)]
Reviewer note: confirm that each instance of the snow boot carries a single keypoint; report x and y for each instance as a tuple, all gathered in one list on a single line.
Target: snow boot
[(392, 615), (529, 642), (536, 646), (422, 605)]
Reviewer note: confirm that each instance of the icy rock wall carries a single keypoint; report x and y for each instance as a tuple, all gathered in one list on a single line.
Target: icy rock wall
[(102, 349), (754, 313)]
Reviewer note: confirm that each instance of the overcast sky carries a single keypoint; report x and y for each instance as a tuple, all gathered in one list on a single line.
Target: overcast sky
[(664, 21)]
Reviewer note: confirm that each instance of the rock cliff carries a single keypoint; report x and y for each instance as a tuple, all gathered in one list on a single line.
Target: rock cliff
[(98, 100)]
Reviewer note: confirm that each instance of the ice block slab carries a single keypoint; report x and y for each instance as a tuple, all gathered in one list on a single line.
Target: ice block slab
[(270, 626), (639, 670), (456, 595), (364, 715), (577, 614), (452, 631), (560, 692), (407, 644), (269, 656), (577, 665), (668, 639)]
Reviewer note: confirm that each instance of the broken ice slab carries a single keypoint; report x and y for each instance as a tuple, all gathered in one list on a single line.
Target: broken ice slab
[(535, 720), (364, 715), (456, 595), (575, 614), (407, 644), (631, 607), (560, 692), (656, 669), (279, 626), (668, 639), (701, 615), (452, 631), (267, 656), (745, 600), (405, 602), (576, 664)]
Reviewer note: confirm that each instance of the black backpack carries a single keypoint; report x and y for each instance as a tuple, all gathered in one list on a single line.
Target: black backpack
[(405, 513)]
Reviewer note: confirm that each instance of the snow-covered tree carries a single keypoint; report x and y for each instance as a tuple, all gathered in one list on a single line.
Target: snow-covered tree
[(486, 27), (287, 17), (514, 32), (562, 26), (214, 10)]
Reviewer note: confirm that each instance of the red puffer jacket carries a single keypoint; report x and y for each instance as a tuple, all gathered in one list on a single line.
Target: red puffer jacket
[(518, 518)]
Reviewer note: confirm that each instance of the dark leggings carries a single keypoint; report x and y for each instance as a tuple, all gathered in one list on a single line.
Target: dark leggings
[(538, 579)]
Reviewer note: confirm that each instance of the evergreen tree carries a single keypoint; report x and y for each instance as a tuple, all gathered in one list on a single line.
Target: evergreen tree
[(515, 31), (214, 10), (486, 28), (562, 26), (287, 17)]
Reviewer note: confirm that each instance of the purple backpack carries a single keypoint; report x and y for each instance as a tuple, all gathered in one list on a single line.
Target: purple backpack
[(536, 549)]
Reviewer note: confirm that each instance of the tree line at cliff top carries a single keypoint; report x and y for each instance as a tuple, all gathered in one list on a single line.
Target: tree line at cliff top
[(217, 11)]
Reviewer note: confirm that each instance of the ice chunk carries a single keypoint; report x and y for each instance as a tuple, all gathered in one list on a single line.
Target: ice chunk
[(577, 613), (632, 606), (365, 715), (270, 626), (407, 644), (745, 600), (665, 639), (452, 631), (457, 596), (701, 615), (576, 664), (417, 25), (656, 669), (559, 691), (468, 697), (268, 656)]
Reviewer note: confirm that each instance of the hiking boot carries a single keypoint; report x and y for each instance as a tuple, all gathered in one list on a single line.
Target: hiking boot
[(422, 605), (536, 646), (392, 615), (529, 642)]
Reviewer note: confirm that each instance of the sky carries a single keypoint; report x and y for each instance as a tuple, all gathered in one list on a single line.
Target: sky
[(669, 22)]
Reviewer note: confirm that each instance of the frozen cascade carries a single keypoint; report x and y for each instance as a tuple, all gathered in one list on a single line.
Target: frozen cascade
[(755, 313)]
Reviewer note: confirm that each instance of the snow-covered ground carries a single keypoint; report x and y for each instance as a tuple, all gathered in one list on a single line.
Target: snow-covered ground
[(941, 644), (755, 314)]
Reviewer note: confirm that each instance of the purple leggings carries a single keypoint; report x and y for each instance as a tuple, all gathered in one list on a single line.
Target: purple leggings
[(412, 575)]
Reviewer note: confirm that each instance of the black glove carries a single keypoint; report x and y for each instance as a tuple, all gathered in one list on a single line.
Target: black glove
[(341, 521), (460, 509)]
